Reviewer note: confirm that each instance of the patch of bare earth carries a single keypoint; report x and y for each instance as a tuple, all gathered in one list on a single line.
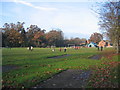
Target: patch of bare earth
[(95, 57), (61, 56), (7, 68), (71, 78), (103, 54)]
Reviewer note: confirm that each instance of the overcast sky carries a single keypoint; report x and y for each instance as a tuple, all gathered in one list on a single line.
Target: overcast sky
[(75, 19)]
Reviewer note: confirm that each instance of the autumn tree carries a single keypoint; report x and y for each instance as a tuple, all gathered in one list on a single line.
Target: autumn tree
[(39, 38), (12, 34), (31, 32), (36, 36), (24, 37), (75, 41), (55, 37), (83, 41), (13, 38), (96, 37), (110, 22)]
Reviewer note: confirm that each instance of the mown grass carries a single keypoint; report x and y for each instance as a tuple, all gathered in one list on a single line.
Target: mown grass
[(35, 66)]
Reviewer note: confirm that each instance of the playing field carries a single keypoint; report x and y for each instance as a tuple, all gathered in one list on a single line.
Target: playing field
[(24, 68)]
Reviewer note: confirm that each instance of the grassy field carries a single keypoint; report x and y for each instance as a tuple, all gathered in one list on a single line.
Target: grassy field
[(35, 66)]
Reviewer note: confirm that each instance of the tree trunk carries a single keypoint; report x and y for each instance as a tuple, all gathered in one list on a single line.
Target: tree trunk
[(118, 47)]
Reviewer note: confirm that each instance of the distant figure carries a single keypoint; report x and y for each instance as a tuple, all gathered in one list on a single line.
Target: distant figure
[(101, 45), (101, 48), (76, 48), (30, 48), (53, 50), (98, 48), (65, 49), (60, 49)]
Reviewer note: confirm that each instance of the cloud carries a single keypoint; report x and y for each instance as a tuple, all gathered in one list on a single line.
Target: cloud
[(65, 0), (74, 19), (33, 6), (80, 22)]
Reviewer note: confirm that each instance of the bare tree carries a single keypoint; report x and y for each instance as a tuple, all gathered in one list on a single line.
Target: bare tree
[(110, 22), (96, 37)]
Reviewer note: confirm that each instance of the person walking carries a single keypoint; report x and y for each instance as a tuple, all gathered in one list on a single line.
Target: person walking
[(101, 48), (98, 48), (65, 49), (31, 48), (53, 50), (101, 45), (60, 49)]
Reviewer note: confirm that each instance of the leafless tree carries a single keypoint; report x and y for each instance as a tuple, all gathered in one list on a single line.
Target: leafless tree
[(110, 22)]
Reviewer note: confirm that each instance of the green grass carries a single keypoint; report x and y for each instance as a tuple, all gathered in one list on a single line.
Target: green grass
[(34, 66)]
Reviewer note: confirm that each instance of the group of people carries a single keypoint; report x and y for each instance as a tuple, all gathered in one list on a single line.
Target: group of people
[(100, 48), (60, 49), (53, 50), (101, 45), (30, 48)]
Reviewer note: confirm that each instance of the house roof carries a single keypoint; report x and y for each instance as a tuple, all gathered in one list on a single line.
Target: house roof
[(102, 43), (92, 43)]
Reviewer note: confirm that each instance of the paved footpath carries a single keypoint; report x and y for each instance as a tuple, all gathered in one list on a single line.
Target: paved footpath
[(71, 78)]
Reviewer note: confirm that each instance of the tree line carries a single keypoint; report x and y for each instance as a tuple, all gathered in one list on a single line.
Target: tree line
[(15, 35)]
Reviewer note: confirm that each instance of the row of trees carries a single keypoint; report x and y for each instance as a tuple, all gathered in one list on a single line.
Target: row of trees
[(110, 22), (15, 35)]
